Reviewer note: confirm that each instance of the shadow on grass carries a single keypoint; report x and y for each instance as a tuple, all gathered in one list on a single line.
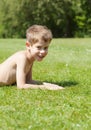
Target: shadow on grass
[(62, 83), (7, 86), (66, 83)]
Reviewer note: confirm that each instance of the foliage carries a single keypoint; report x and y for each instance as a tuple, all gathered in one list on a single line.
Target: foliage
[(86, 5), (66, 18)]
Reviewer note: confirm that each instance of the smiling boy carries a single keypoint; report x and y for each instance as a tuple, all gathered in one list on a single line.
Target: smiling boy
[(18, 67)]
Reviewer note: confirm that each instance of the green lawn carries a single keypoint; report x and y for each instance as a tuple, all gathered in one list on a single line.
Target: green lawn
[(67, 64)]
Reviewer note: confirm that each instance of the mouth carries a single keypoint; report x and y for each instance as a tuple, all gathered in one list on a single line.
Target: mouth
[(40, 58)]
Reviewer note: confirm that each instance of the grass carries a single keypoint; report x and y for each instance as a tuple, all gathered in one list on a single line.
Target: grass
[(68, 64)]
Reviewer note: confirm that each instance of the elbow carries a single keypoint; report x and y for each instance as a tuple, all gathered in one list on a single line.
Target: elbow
[(20, 86)]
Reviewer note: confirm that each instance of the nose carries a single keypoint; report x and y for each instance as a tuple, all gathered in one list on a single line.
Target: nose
[(43, 51)]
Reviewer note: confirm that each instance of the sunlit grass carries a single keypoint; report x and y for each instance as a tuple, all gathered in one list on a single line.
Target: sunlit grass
[(68, 64)]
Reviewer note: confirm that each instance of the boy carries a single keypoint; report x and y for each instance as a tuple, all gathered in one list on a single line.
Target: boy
[(18, 67)]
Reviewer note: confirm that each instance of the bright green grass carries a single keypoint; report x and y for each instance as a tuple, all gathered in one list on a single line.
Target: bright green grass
[(68, 64)]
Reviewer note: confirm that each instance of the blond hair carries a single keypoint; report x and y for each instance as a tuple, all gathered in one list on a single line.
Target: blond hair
[(36, 32)]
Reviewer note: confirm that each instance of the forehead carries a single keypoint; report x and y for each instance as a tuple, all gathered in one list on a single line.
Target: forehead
[(42, 43)]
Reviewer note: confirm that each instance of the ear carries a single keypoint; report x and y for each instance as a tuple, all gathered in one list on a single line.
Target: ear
[(27, 44)]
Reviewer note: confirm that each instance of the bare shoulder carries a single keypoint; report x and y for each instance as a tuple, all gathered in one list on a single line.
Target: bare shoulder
[(20, 55), (16, 57)]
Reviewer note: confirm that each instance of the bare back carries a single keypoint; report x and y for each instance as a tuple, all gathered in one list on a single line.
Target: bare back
[(8, 69)]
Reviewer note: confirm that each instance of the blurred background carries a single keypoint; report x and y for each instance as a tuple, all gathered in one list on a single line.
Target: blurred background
[(66, 18)]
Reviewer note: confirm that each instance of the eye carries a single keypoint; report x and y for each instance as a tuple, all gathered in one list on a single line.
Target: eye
[(45, 48), (39, 47)]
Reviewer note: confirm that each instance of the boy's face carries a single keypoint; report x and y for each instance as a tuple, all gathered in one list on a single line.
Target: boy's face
[(39, 50)]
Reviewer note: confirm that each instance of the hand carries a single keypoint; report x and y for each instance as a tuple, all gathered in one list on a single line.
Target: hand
[(50, 86)]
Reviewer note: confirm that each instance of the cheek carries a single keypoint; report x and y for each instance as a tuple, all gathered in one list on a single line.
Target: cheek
[(34, 51), (46, 52)]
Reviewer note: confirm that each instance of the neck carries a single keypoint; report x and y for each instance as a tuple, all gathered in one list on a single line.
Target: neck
[(29, 56)]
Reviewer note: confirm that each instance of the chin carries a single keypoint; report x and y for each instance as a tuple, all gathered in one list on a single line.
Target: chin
[(39, 60)]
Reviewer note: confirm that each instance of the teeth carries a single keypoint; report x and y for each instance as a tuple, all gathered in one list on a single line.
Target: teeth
[(41, 56)]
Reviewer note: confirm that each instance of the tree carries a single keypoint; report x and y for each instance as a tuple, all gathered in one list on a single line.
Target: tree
[(86, 5), (66, 18)]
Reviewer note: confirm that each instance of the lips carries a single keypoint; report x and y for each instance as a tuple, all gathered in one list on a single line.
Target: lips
[(41, 56)]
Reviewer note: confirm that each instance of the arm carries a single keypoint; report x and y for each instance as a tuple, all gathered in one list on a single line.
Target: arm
[(21, 79), (41, 84), (25, 81), (29, 79)]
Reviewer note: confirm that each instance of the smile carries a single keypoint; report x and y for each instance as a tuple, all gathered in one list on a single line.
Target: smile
[(41, 56)]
